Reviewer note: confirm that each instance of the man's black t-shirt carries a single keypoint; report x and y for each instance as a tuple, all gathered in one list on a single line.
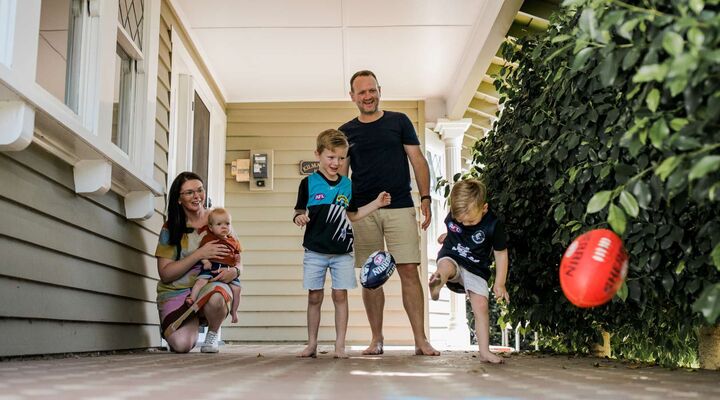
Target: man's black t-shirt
[(472, 246), (378, 159)]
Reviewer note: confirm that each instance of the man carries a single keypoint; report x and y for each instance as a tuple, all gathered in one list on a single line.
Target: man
[(381, 143)]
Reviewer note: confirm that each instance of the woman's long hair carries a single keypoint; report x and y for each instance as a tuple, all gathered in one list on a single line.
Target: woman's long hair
[(176, 219)]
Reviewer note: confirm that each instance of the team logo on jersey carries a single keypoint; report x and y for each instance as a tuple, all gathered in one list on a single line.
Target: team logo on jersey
[(454, 227), (319, 196), (342, 200), (478, 237)]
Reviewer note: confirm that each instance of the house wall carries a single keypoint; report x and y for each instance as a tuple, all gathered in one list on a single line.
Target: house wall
[(75, 274), (273, 306)]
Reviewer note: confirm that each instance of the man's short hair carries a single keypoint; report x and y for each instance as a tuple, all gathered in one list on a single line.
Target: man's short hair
[(365, 72), (331, 139)]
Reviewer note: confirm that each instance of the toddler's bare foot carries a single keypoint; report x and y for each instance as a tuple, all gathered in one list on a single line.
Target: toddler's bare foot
[(310, 351), (234, 317), (426, 349), (489, 357), (189, 301), (375, 349), (435, 284)]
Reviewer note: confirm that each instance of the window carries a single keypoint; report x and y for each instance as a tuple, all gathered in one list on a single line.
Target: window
[(128, 55), (58, 63)]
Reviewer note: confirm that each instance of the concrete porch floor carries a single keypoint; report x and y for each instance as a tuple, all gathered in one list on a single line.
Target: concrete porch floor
[(273, 372)]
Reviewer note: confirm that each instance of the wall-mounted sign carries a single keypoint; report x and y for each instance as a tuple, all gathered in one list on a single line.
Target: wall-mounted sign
[(308, 167)]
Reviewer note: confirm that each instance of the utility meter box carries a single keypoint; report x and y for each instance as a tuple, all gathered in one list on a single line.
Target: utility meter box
[(261, 169)]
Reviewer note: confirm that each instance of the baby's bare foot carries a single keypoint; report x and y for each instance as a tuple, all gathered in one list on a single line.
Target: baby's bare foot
[(234, 318)]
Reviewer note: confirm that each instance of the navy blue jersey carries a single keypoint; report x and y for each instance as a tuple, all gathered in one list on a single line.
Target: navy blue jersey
[(329, 230), (472, 246), (378, 159)]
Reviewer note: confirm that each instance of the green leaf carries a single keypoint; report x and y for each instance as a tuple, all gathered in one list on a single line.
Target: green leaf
[(617, 220), (626, 28), (705, 166), (629, 204), (673, 43), (653, 99), (643, 194), (708, 303), (680, 267), (667, 167), (582, 57), (588, 22), (622, 292), (654, 72), (560, 38), (658, 132), (715, 255), (678, 123), (608, 70), (559, 213), (696, 36), (598, 201), (697, 5)]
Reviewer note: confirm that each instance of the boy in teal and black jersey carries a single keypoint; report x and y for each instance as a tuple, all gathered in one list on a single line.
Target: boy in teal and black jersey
[(322, 208)]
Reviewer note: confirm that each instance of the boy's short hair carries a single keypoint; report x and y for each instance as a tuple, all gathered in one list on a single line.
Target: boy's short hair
[(467, 195), (331, 139), (216, 213)]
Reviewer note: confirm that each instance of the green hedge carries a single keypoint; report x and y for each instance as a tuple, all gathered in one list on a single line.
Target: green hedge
[(611, 119)]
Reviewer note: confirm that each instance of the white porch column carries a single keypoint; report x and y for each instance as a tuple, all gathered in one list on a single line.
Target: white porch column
[(452, 133)]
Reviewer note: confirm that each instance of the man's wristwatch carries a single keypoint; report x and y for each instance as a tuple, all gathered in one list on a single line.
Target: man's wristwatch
[(426, 197)]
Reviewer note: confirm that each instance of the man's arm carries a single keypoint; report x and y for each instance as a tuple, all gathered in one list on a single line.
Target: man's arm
[(422, 177), (345, 167)]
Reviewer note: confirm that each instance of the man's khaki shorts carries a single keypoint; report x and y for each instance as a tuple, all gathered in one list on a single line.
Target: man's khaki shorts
[(395, 227)]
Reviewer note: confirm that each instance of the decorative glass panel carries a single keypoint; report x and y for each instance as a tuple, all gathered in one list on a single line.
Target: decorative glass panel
[(131, 18), (123, 99)]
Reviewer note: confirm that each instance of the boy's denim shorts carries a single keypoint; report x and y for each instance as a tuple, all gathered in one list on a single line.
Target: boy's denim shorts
[(341, 269)]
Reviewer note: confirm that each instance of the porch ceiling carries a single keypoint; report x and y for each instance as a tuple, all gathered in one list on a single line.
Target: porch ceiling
[(289, 50)]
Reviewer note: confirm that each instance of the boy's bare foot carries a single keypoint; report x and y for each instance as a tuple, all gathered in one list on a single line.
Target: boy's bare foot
[(234, 317), (375, 349), (435, 285), (310, 351), (340, 354), (489, 357), (426, 349)]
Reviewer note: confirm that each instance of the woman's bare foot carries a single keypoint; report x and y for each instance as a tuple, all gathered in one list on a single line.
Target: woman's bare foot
[(426, 349), (310, 351), (375, 349), (489, 357), (435, 284)]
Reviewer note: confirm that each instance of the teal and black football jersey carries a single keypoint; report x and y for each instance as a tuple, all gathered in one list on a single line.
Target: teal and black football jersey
[(329, 230)]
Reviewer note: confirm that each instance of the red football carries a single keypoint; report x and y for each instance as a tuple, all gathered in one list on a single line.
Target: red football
[(593, 268)]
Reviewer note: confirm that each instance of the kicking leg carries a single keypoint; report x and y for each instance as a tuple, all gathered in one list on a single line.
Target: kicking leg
[(446, 270)]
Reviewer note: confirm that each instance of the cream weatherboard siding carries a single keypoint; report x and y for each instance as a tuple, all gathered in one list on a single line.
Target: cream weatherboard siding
[(274, 303)]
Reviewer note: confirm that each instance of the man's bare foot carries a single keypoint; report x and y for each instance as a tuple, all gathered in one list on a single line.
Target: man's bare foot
[(435, 284), (310, 351), (489, 357), (375, 349), (426, 349), (234, 317)]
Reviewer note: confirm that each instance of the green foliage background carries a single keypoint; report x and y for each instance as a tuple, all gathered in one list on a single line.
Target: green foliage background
[(611, 119)]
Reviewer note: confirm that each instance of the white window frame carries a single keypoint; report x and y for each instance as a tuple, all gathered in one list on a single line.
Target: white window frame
[(186, 78), (82, 139)]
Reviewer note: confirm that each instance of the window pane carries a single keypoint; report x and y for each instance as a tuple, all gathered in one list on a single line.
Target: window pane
[(131, 18), (123, 99), (58, 58)]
